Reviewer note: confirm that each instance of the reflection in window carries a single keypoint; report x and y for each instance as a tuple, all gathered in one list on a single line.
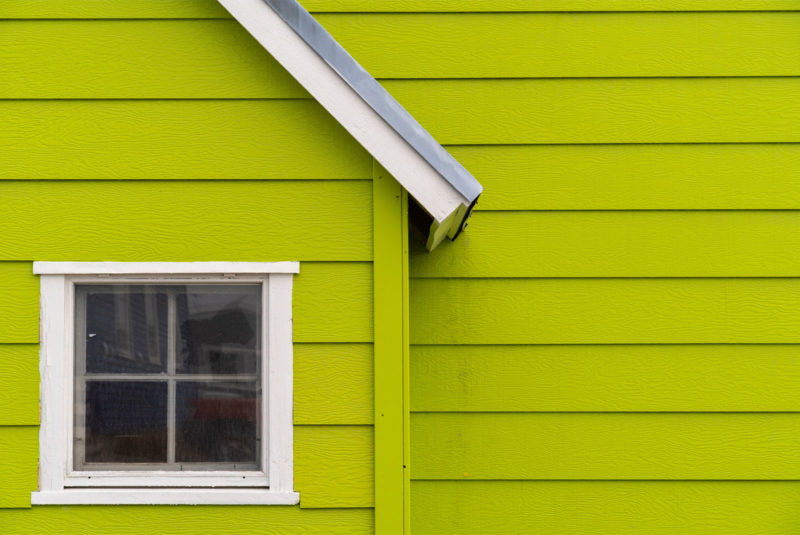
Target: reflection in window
[(168, 377)]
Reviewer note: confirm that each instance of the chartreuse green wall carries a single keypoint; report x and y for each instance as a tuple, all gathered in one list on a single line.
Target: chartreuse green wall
[(610, 348), (157, 139)]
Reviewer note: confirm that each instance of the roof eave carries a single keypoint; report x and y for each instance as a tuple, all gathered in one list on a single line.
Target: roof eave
[(438, 182)]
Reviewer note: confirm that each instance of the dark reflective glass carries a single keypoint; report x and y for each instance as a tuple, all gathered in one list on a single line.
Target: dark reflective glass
[(125, 329), (218, 329), (126, 422), (218, 422)]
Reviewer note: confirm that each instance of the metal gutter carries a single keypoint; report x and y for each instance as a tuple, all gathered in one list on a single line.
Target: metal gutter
[(377, 97)]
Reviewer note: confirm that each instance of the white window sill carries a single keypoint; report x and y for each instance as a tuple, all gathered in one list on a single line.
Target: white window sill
[(164, 497)]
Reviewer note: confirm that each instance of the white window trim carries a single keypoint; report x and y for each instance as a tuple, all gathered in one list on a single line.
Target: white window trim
[(58, 486)]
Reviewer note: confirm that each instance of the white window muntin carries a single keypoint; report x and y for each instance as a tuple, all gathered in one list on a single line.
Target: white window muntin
[(59, 483)]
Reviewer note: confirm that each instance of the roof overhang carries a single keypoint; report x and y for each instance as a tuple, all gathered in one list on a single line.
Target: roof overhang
[(444, 191)]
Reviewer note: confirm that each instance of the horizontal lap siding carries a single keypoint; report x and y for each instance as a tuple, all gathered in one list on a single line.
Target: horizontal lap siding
[(603, 507), (615, 337), (635, 176), (178, 9), (605, 311), (605, 446), (620, 244), (177, 59), (138, 153), (175, 139), (598, 378), (186, 520)]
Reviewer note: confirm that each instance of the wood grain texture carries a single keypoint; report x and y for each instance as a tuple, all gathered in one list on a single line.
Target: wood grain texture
[(333, 302), (219, 59), (609, 446), (604, 311), (631, 110), (19, 307), (166, 139), (544, 111), (502, 45), (620, 244), (186, 520), (334, 466), (642, 177), (185, 221), (667, 378), (603, 507), (19, 375), (333, 384), (49, 9), (18, 465), (138, 59)]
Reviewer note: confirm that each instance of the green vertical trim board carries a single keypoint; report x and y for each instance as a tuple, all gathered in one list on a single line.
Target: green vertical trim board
[(391, 343), (406, 371)]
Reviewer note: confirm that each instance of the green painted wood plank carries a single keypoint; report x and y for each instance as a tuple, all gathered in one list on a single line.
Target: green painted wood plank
[(500, 45), (138, 59), (547, 5), (19, 313), (19, 375), (667, 378), (631, 110), (391, 352), (620, 244), (219, 59), (604, 311), (183, 221), (100, 9), (185, 520), (333, 384), (524, 446), (333, 302), (175, 139), (333, 466), (620, 177), (18, 465), (47, 9), (603, 507)]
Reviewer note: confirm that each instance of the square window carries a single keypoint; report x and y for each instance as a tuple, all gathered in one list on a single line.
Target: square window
[(166, 383)]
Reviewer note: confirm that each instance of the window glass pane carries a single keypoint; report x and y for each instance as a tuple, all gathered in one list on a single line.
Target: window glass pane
[(167, 377), (122, 328), (218, 329), (126, 422), (218, 422)]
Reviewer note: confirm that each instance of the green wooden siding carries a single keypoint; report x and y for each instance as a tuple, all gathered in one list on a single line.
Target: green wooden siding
[(179, 60), (139, 154), (612, 345), (172, 9), (610, 348), (635, 176), (599, 378), (187, 520), (175, 139), (602, 507)]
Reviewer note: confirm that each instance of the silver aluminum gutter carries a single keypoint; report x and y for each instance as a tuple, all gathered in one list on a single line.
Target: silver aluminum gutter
[(377, 97)]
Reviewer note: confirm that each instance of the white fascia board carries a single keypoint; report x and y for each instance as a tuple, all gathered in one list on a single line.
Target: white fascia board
[(163, 268), (431, 190)]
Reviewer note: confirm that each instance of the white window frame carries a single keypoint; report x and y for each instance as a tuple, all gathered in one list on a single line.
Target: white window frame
[(59, 484)]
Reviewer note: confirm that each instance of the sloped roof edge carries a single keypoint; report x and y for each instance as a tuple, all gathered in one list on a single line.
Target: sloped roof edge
[(436, 180), (376, 96)]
